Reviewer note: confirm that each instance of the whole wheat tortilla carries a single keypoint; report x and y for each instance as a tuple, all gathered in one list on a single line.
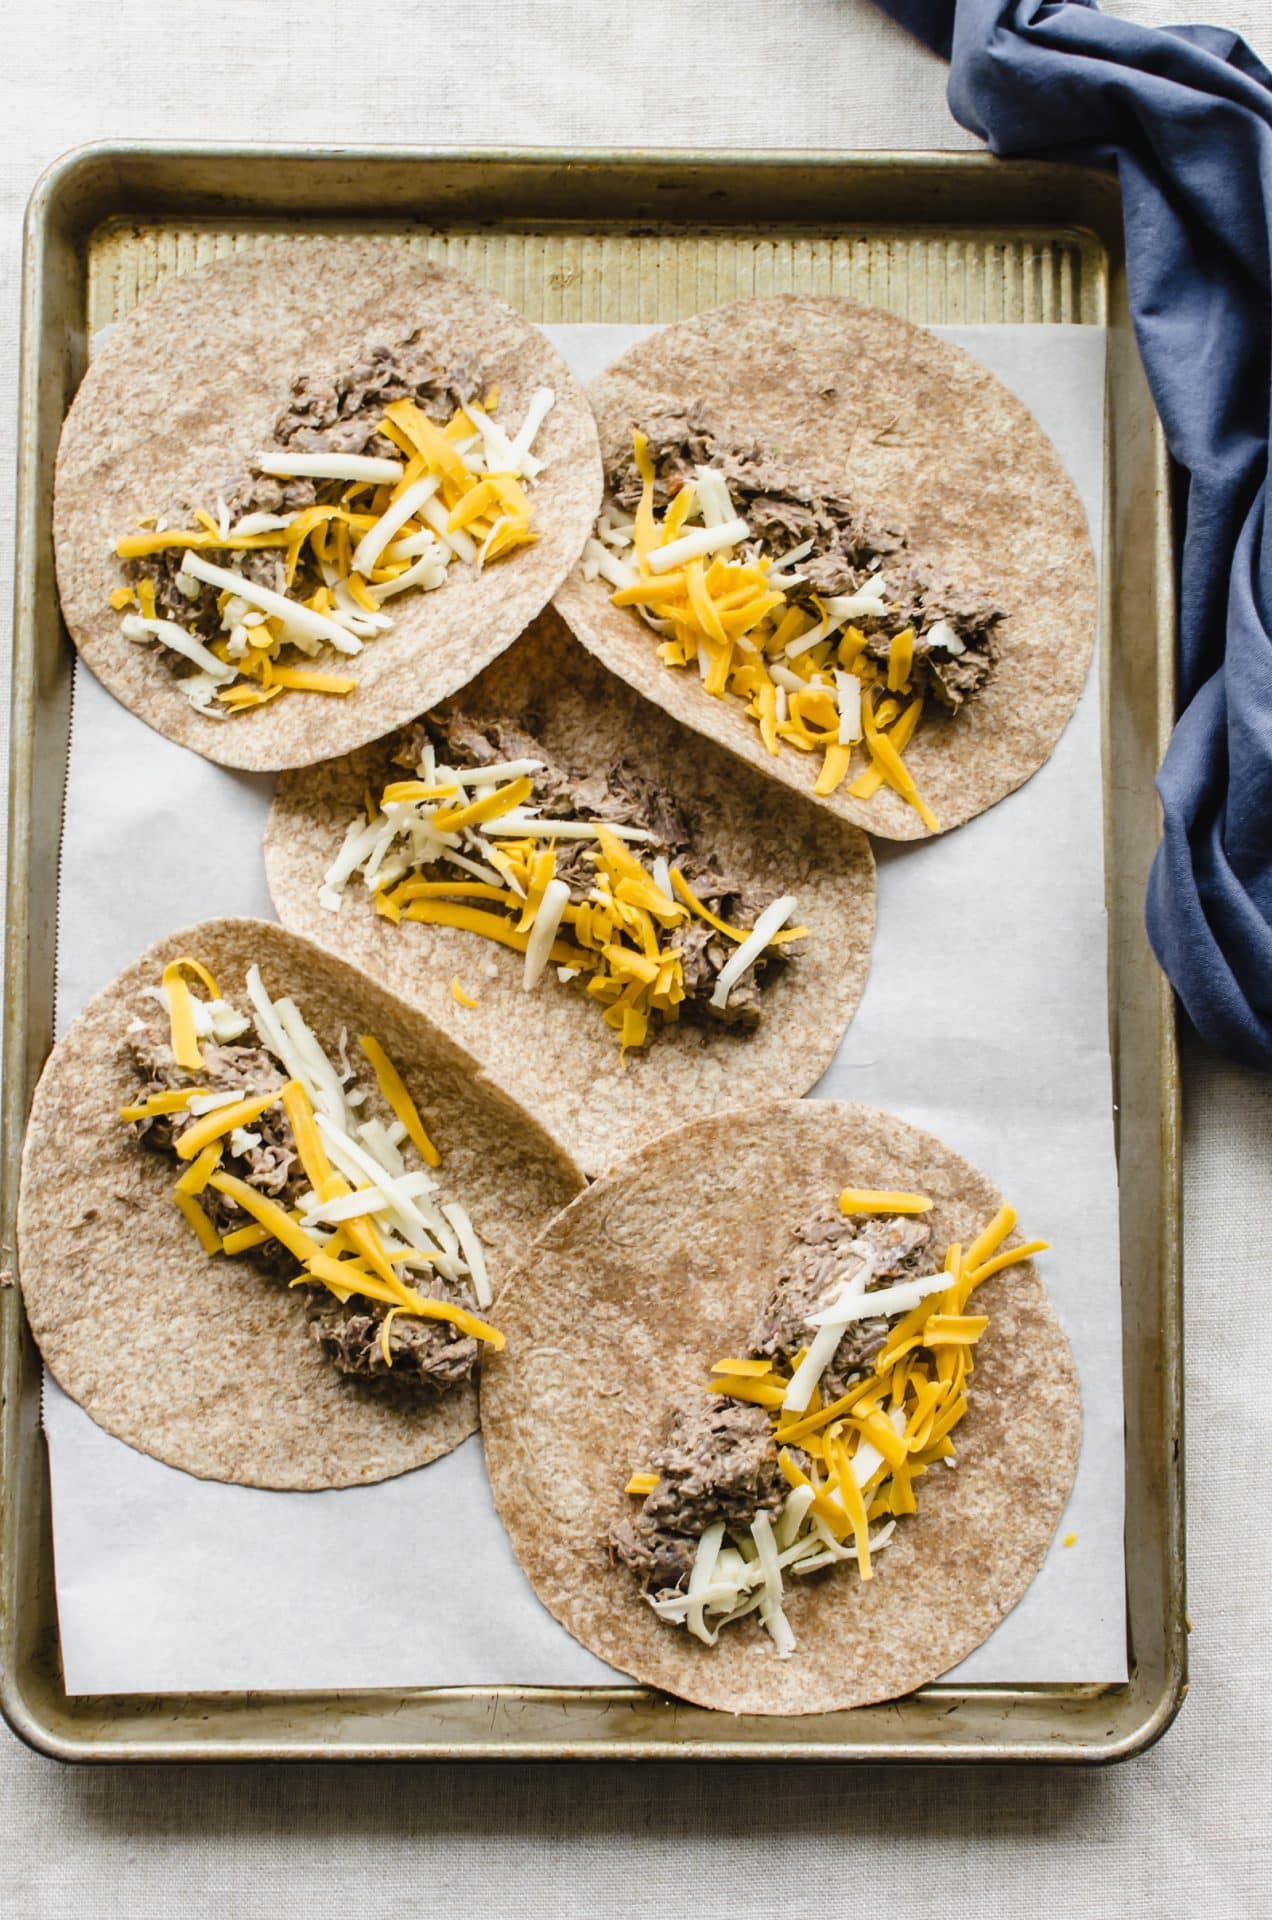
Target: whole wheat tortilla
[(923, 437), (550, 1049), (628, 1297), (188, 388), (208, 1364)]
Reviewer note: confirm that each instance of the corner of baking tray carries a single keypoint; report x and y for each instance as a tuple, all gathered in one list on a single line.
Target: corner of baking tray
[(23, 1720), (72, 183), (1157, 1721)]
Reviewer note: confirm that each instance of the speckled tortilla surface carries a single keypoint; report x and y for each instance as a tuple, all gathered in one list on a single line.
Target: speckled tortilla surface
[(188, 388), (207, 1363), (551, 1049), (923, 437), (628, 1297)]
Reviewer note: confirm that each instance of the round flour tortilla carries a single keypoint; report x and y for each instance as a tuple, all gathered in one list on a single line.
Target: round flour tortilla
[(188, 388), (550, 1049), (209, 1363), (626, 1300), (923, 437)]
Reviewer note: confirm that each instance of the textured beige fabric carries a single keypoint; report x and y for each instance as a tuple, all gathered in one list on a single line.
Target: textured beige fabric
[(1180, 1834)]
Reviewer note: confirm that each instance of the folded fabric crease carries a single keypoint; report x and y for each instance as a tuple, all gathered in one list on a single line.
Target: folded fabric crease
[(1184, 114)]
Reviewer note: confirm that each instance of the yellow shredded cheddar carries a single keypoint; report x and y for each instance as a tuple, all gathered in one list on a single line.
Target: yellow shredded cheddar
[(866, 1449), (185, 1042), (878, 1200), (623, 936), (221, 1120), (318, 545), (244, 1237), (205, 1232), (196, 1176), (386, 1328), (394, 1089), (721, 611), (175, 1100)]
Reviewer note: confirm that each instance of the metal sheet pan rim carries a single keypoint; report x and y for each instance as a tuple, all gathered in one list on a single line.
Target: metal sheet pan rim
[(828, 160)]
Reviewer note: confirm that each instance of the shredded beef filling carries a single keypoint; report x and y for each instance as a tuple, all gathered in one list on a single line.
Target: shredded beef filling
[(719, 1460), (622, 794), (341, 415), (322, 416), (427, 1353), (848, 551), (822, 1258), (272, 1167)]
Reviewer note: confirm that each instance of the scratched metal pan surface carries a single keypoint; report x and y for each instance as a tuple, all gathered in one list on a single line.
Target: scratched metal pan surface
[(621, 237)]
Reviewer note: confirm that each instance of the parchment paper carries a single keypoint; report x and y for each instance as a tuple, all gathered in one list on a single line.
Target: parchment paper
[(985, 1019)]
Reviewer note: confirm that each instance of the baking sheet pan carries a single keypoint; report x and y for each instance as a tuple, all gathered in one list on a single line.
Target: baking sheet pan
[(597, 267)]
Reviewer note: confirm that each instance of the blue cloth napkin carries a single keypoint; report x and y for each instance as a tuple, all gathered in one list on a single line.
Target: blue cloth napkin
[(1185, 116)]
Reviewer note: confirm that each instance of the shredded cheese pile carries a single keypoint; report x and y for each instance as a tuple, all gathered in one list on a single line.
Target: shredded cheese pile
[(366, 1218), (699, 578), (458, 492), (866, 1448), (484, 823)]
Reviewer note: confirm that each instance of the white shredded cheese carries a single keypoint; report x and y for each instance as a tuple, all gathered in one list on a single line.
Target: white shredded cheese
[(696, 545), (496, 528), (524, 462), (778, 574), (714, 501), (409, 547), (500, 457), (700, 1578), (598, 562), (200, 690), (848, 699), (428, 573), (556, 898), (139, 629), (881, 1304), (941, 634), (867, 602), (791, 1518), (225, 1023), (384, 1145), (319, 626), (773, 918), (349, 1206), (259, 523), (200, 1103), (486, 776), (396, 514), (521, 820), (435, 514), (471, 1248), (329, 466), (779, 1627), (821, 1351)]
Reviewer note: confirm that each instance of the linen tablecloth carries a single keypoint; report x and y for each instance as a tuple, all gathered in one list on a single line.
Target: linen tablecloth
[(1180, 1832)]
